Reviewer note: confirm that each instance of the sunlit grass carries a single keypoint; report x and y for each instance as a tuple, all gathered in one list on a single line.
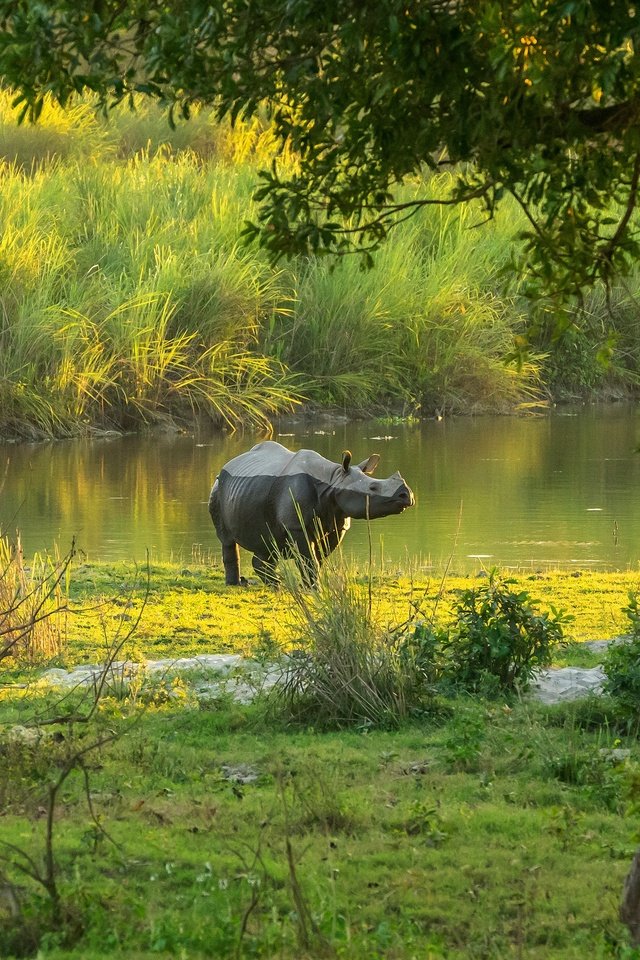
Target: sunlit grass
[(32, 605), (135, 306), (189, 611), (127, 297)]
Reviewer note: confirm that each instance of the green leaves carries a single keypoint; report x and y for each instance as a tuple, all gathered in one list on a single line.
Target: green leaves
[(496, 641), (622, 664), (539, 99)]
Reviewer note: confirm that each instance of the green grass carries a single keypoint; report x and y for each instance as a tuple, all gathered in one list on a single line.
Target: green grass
[(202, 827), (456, 840), (188, 610), (128, 300)]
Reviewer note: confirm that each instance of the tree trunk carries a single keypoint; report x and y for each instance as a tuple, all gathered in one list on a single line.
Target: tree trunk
[(630, 906)]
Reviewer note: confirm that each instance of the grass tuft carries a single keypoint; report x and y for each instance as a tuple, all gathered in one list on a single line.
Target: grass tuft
[(33, 605), (348, 669)]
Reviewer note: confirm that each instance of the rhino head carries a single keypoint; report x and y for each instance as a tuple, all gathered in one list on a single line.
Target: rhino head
[(359, 496)]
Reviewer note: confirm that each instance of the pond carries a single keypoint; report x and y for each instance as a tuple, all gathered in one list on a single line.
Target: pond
[(559, 490)]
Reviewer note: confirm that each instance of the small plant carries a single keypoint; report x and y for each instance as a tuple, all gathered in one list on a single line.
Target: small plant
[(316, 802), (424, 650), (621, 664), (463, 745), (564, 823), (425, 821), (496, 641), (602, 773)]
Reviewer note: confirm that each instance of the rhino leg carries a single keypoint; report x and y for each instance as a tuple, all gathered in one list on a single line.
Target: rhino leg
[(231, 561), (230, 550)]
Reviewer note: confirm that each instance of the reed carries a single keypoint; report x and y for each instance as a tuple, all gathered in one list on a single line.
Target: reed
[(432, 325), (32, 604), (126, 298)]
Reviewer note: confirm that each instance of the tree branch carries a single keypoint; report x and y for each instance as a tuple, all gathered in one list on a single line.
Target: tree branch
[(632, 199), (611, 119)]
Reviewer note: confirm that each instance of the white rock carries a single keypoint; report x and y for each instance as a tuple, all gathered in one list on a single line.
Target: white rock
[(549, 686), (566, 683)]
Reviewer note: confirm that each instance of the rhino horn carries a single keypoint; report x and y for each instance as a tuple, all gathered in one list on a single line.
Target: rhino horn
[(368, 466)]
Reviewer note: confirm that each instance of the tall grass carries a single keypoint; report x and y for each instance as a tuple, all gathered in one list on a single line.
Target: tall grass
[(126, 298), (349, 669), (32, 604), (431, 325)]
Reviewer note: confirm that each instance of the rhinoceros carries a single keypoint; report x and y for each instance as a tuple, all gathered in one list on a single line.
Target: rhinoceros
[(274, 503)]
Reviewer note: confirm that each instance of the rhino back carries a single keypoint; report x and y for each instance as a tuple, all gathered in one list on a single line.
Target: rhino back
[(266, 459), (268, 492), (270, 459)]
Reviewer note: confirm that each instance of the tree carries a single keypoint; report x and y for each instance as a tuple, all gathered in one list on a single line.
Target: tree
[(536, 98)]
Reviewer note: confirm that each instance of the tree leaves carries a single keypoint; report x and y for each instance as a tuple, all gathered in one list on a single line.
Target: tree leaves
[(538, 98)]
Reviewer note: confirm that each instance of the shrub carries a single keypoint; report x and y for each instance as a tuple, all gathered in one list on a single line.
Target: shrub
[(496, 641), (621, 664)]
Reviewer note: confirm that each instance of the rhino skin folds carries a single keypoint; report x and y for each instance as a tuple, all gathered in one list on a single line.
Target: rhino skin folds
[(278, 503)]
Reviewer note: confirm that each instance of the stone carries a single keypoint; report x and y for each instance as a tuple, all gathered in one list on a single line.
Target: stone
[(566, 683), (241, 678)]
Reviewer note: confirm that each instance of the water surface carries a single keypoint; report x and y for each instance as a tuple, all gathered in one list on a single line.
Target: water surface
[(557, 490)]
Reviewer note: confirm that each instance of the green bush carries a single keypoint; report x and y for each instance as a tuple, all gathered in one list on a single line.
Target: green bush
[(621, 664), (496, 641)]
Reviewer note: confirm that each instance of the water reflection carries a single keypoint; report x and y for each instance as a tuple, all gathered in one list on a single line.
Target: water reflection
[(554, 490)]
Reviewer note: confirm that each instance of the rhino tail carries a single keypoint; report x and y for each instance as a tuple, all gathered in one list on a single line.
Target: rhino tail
[(214, 504)]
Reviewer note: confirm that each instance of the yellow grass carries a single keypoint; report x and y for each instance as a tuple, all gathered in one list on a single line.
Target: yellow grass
[(190, 612)]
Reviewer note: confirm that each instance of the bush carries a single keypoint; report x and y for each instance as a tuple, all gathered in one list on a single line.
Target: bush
[(621, 664), (350, 669), (496, 641)]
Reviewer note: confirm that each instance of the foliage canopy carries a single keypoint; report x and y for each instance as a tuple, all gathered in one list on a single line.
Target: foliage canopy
[(537, 98)]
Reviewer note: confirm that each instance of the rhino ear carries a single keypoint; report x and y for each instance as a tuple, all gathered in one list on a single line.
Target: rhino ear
[(346, 459), (369, 466)]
